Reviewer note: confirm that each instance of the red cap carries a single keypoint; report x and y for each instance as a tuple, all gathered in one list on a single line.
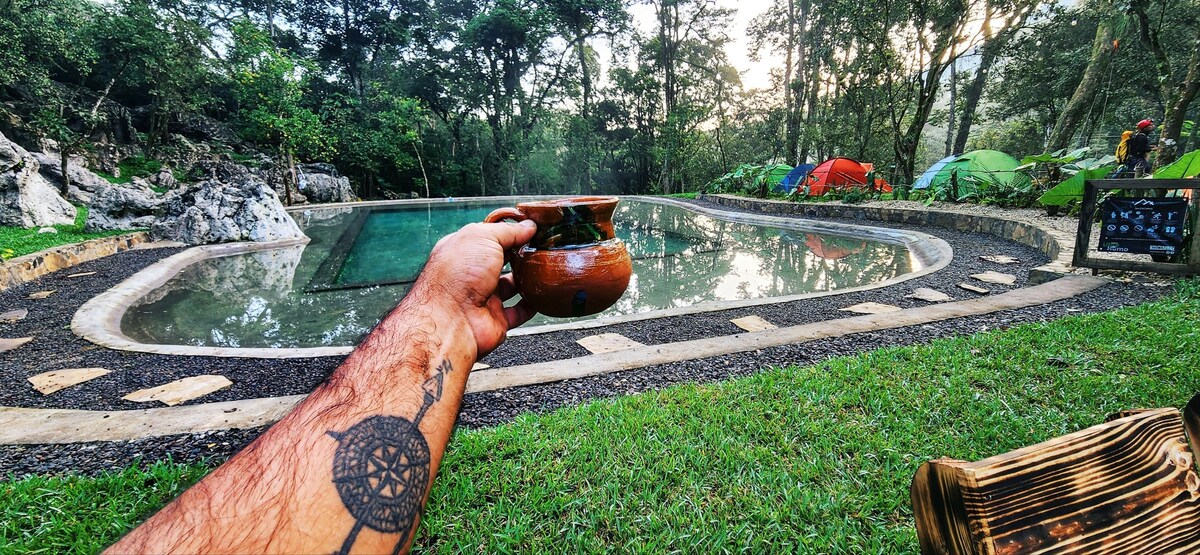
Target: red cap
[(1145, 123)]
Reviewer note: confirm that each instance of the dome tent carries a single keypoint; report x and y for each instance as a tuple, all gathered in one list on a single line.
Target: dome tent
[(927, 177), (840, 173), (978, 169), (794, 178)]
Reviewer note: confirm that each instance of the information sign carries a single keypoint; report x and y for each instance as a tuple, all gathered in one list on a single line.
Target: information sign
[(1142, 225)]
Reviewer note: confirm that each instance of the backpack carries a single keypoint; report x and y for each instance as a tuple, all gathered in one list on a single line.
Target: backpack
[(1122, 152)]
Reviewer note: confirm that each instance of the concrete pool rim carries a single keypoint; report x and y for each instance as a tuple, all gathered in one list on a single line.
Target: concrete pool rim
[(99, 319)]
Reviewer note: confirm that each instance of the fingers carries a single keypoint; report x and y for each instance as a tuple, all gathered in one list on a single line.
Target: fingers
[(510, 235), (519, 314), (507, 287)]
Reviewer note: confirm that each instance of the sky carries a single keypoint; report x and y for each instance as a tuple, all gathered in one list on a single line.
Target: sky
[(754, 74)]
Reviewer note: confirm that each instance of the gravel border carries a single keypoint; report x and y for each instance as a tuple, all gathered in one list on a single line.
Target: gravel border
[(56, 347)]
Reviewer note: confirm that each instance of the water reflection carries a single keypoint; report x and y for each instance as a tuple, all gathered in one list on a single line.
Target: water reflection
[(680, 259)]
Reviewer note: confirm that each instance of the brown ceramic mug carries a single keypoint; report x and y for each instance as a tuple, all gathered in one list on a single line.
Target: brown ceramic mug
[(575, 265)]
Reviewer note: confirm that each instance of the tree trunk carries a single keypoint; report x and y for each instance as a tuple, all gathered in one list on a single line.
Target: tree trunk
[(789, 90), (953, 106), (1085, 92), (585, 113), (971, 98), (1176, 94), (289, 177)]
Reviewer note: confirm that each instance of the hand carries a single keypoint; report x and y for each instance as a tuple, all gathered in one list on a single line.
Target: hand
[(463, 277)]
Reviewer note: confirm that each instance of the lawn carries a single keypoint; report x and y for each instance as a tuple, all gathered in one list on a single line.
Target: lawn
[(800, 459), (19, 241)]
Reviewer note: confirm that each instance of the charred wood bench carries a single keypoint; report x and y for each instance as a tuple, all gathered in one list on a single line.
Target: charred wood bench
[(1128, 486)]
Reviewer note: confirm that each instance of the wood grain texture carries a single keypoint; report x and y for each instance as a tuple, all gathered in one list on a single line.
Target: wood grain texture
[(1128, 486)]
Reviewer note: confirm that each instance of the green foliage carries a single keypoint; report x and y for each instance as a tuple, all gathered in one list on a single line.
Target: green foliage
[(269, 86), (19, 241)]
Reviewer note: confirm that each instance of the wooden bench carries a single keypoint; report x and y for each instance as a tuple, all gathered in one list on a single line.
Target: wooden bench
[(1128, 486)]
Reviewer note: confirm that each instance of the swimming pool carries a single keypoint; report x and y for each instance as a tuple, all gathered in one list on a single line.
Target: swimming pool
[(361, 260)]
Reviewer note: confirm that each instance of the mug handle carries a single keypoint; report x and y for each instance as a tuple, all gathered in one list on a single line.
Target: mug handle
[(507, 213)]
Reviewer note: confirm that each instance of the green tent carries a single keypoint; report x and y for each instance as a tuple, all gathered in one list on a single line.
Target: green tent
[(1072, 187), (1186, 166), (773, 174), (980, 169)]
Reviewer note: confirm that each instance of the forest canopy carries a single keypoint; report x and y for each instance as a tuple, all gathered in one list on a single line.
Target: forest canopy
[(480, 97)]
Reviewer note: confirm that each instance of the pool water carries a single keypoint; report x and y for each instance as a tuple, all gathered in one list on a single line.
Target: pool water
[(361, 261)]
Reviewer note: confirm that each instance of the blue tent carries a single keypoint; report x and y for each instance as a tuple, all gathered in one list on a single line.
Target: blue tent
[(927, 177), (794, 177)]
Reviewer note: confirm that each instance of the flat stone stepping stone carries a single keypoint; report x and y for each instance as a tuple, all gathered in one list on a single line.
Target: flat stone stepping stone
[(753, 323), (40, 295), (607, 343), (179, 391), (974, 288), (480, 366), (995, 277), (49, 382), (14, 316), (870, 308), (81, 274), (10, 344), (1000, 259), (930, 295)]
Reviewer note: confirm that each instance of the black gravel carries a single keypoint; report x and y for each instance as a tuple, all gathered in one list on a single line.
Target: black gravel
[(55, 347)]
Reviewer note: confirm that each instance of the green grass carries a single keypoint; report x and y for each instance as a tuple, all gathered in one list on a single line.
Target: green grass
[(74, 514), (680, 195), (814, 459), (18, 241)]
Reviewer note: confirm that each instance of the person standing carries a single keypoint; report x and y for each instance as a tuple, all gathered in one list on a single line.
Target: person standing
[(1140, 147)]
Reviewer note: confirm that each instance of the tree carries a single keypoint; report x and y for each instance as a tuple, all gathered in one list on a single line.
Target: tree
[(1176, 88), (269, 87), (1103, 48)]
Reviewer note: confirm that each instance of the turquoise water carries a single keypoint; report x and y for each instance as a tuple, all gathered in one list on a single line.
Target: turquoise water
[(361, 262)]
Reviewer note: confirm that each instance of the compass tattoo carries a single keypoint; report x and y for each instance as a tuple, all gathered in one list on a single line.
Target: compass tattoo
[(381, 468)]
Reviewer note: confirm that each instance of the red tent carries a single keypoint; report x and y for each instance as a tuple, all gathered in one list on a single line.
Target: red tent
[(841, 173)]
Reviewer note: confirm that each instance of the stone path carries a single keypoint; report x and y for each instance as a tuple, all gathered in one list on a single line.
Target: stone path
[(33, 426)]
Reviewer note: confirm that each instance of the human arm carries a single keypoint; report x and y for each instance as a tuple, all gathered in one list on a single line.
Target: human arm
[(351, 466)]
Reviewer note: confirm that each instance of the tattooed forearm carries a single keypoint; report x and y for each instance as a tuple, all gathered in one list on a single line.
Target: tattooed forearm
[(382, 468)]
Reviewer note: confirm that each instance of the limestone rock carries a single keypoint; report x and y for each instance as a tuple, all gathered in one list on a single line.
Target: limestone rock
[(26, 199), (753, 323), (216, 211), (130, 206), (323, 183), (165, 179), (84, 183), (7, 344), (180, 391), (973, 288)]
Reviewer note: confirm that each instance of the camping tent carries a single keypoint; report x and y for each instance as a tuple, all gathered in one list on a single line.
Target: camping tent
[(840, 173), (773, 174), (927, 177), (979, 169), (794, 178)]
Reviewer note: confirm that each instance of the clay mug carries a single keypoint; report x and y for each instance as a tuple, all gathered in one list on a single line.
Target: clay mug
[(575, 265)]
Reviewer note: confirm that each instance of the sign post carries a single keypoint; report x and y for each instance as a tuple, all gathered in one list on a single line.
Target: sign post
[(1153, 226)]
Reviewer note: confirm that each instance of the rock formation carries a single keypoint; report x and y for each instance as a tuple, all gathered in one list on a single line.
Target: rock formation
[(130, 206), (26, 199), (84, 183), (322, 183), (218, 211)]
